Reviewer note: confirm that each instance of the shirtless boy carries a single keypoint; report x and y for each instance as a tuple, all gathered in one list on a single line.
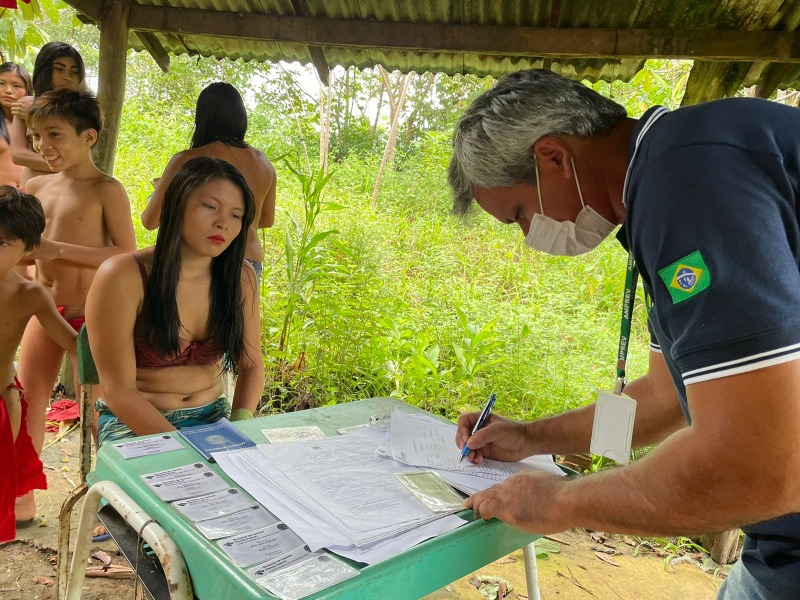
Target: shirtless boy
[(88, 220), (58, 66), (21, 226)]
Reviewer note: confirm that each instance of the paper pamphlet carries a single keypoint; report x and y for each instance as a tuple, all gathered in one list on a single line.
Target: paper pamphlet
[(148, 446)]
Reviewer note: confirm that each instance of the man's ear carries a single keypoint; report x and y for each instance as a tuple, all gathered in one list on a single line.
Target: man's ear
[(551, 153), (90, 136)]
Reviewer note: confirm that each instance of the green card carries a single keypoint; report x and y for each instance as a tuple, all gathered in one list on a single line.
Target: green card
[(686, 277)]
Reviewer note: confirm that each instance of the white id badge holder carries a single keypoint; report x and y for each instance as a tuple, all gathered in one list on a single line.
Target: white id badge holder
[(612, 431)]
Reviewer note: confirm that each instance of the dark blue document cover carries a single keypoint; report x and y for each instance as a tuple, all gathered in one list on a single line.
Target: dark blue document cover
[(215, 437)]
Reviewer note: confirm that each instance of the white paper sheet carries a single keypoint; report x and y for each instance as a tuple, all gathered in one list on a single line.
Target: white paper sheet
[(148, 446), (249, 519), (196, 483), (424, 441), (271, 542), (300, 495), (210, 506)]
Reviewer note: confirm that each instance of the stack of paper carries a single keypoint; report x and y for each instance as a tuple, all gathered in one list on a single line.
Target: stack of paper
[(424, 441), (251, 536), (338, 494)]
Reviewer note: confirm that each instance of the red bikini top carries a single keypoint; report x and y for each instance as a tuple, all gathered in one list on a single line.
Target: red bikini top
[(202, 352)]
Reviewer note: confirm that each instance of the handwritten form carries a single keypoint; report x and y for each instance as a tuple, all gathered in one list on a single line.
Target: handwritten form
[(423, 441)]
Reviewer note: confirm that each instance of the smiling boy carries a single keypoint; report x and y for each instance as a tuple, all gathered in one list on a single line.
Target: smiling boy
[(88, 220)]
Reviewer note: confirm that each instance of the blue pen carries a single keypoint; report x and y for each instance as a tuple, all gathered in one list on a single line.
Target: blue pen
[(482, 420)]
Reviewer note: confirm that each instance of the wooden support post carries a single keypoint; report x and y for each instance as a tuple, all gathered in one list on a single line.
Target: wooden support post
[(111, 86), (722, 545)]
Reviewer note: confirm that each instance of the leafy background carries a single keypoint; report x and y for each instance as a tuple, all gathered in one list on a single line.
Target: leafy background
[(391, 297)]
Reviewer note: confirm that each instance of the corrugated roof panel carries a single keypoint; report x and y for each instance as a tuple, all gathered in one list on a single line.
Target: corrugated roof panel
[(643, 14)]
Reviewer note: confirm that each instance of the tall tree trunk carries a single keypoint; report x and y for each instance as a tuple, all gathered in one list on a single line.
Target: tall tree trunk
[(378, 112), (395, 109), (324, 124), (419, 101)]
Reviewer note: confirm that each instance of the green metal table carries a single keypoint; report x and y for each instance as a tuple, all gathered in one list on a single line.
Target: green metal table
[(418, 571)]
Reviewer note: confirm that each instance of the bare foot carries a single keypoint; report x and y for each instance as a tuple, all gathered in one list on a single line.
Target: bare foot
[(25, 508)]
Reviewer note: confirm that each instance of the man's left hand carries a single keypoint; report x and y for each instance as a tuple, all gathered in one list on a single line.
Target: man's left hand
[(526, 500)]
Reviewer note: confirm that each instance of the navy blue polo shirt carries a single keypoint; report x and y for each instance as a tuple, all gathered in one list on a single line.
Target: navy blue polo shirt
[(712, 221)]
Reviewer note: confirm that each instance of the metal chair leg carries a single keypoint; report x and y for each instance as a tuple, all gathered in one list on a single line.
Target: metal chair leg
[(169, 555), (64, 521), (531, 571)]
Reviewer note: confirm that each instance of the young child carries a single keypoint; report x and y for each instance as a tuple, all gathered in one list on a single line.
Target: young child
[(58, 66), (21, 226), (88, 220), (15, 83)]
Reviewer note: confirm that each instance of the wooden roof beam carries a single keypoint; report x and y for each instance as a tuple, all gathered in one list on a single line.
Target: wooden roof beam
[(155, 49), (775, 46), (89, 13), (318, 59)]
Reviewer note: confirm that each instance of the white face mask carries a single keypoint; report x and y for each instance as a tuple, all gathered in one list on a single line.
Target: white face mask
[(565, 238)]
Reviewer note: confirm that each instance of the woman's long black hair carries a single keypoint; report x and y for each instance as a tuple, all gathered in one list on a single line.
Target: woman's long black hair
[(43, 67), (19, 71), (158, 324), (220, 116)]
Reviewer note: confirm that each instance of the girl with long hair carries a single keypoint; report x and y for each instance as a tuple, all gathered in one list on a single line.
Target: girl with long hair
[(166, 323), (15, 83), (220, 124), (58, 66)]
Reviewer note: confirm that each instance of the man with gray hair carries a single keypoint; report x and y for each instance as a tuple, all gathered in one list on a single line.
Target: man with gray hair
[(707, 197)]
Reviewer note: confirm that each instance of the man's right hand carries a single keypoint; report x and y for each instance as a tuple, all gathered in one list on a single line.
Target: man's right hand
[(502, 439)]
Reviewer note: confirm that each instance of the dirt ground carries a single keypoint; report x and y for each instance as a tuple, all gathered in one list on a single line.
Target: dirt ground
[(577, 565)]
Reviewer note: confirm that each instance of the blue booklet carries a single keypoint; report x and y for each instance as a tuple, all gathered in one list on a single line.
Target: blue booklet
[(215, 437)]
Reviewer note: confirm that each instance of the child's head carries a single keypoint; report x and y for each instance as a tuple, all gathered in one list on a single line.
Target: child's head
[(21, 217), (14, 84), (17, 80), (79, 109), (58, 65), (220, 116), (61, 117)]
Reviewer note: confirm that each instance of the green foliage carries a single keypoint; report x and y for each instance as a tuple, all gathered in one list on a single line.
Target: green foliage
[(544, 548), (404, 300), (661, 82), (19, 29)]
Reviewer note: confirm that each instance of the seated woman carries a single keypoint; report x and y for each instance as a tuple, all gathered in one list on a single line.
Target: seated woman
[(166, 322)]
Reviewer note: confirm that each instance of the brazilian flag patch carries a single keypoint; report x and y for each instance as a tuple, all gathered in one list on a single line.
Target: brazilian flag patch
[(686, 277)]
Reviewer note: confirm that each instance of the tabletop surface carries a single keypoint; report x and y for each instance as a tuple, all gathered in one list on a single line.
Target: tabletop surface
[(410, 574)]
